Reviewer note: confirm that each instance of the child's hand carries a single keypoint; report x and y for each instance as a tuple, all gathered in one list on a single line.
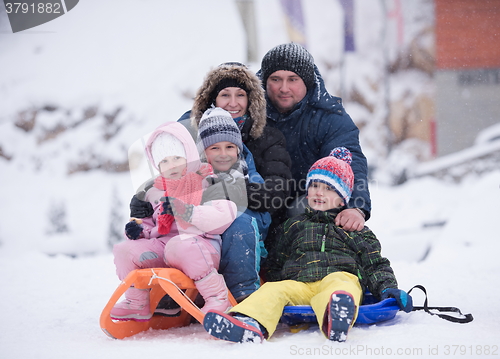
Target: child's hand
[(139, 208), (404, 300), (177, 208), (133, 230), (213, 192), (167, 206)]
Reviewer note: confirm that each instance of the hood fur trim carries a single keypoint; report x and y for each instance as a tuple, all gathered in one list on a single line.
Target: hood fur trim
[(256, 99)]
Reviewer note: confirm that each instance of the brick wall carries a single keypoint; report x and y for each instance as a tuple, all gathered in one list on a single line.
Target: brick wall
[(467, 34)]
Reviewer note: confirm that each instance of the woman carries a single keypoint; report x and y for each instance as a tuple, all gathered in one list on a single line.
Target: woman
[(234, 88)]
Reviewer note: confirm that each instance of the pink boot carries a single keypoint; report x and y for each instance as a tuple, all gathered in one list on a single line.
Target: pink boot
[(134, 307), (214, 290)]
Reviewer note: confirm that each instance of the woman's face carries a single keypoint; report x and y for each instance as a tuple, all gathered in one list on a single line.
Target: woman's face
[(234, 100)]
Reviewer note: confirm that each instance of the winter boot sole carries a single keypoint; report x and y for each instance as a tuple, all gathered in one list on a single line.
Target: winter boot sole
[(225, 327), (340, 317), (167, 307), (136, 317), (168, 312)]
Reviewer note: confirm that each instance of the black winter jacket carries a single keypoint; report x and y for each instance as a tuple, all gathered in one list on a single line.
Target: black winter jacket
[(312, 129)]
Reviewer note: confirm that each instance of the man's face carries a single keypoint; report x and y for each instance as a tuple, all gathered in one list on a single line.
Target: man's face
[(285, 89)]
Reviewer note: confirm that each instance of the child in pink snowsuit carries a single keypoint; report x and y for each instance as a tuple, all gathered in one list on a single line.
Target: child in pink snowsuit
[(182, 232)]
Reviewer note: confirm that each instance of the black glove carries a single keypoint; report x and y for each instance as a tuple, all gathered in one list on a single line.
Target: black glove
[(258, 198), (133, 230), (404, 300), (139, 208), (177, 208)]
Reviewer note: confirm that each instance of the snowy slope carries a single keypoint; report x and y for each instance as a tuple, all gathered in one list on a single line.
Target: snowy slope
[(147, 59), (54, 303)]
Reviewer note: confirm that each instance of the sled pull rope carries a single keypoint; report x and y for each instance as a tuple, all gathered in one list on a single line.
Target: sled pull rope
[(155, 276), (466, 318)]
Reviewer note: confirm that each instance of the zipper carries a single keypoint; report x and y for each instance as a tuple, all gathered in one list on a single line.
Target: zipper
[(323, 240)]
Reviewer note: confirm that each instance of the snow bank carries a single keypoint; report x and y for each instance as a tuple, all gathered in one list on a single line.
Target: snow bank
[(149, 57)]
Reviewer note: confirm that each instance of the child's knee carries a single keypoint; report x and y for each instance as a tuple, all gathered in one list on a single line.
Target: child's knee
[(192, 256), (126, 249)]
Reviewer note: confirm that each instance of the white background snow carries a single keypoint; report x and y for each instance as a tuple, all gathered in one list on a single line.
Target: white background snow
[(142, 55)]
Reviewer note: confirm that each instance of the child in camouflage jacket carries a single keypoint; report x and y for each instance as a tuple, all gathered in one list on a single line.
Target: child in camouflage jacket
[(315, 262)]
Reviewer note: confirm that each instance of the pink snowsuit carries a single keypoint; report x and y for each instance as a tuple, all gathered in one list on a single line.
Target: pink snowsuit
[(194, 250)]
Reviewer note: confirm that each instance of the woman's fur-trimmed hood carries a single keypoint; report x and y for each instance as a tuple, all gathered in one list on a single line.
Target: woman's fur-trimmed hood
[(256, 98)]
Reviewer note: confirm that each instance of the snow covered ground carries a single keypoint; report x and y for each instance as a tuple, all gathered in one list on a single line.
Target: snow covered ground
[(51, 305), (439, 234)]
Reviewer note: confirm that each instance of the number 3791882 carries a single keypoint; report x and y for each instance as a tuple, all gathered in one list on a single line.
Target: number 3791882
[(40, 8)]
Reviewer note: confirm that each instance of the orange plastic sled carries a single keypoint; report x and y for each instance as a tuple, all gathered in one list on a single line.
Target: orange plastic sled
[(161, 281)]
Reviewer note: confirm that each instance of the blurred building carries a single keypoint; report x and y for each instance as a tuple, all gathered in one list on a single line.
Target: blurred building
[(467, 74)]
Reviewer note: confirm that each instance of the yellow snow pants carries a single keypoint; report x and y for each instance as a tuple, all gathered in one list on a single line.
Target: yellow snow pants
[(266, 304)]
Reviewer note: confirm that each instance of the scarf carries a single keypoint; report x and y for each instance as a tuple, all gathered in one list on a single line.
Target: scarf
[(188, 189), (240, 121), (239, 169)]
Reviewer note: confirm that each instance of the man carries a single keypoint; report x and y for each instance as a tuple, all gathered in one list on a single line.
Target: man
[(313, 123)]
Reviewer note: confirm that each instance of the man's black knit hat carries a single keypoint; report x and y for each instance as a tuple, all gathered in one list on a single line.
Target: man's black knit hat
[(289, 57)]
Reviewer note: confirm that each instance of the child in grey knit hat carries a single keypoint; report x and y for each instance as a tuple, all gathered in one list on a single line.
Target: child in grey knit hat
[(220, 145)]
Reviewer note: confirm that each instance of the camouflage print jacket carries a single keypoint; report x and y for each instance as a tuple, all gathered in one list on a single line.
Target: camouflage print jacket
[(310, 246)]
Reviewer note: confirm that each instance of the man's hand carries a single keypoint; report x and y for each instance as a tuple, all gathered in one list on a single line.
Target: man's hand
[(350, 219)]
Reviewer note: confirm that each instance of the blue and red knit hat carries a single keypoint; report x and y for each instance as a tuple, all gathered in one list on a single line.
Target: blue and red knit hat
[(335, 171)]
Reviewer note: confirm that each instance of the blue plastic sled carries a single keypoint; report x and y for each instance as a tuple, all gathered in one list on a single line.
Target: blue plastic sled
[(370, 312)]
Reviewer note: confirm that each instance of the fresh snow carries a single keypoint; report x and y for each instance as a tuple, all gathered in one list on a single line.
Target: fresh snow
[(143, 55)]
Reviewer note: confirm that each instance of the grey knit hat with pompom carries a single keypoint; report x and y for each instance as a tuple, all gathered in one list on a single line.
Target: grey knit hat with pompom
[(217, 125)]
